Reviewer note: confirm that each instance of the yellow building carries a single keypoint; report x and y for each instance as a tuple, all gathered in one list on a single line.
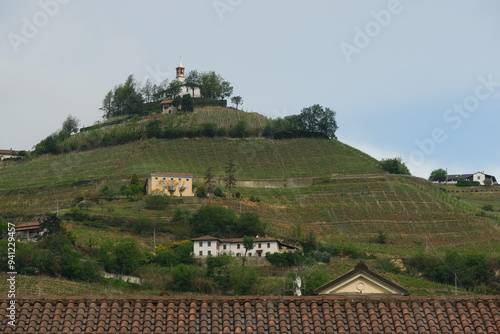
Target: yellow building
[(172, 184)]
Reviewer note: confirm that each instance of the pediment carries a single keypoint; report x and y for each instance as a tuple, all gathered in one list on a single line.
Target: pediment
[(361, 281)]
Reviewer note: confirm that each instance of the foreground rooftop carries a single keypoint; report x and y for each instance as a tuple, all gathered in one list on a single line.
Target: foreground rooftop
[(254, 314)]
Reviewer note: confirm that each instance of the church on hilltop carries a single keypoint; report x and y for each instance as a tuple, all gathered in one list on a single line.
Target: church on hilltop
[(180, 76)]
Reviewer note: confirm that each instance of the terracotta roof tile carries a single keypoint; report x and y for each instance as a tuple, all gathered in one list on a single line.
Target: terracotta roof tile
[(325, 314)]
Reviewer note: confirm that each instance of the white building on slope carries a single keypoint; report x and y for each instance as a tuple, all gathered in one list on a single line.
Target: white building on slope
[(211, 246)]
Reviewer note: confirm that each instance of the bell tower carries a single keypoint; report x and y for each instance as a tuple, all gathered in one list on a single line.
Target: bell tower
[(180, 72)]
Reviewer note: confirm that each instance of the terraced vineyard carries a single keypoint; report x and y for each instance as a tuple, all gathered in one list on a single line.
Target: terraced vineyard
[(32, 187), (407, 209)]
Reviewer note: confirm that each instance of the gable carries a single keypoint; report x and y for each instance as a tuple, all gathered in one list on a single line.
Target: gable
[(361, 281), (360, 284)]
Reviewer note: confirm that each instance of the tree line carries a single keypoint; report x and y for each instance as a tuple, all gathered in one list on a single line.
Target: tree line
[(130, 97)]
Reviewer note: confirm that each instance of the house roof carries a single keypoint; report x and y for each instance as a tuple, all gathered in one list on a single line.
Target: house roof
[(253, 314), (171, 174), (206, 237), (459, 176), (9, 152), (240, 240), (365, 276), (167, 101), (28, 226)]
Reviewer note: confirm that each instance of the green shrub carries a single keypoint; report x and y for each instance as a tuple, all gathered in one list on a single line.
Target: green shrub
[(157, 202), (200, 191), (218, 192), (387, 266), (394, 166), (487, 207), (467, 183), (322, 257), (254, 199), (208, 129)]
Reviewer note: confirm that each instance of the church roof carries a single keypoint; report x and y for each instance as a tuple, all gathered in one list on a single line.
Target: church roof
[(180, 64)]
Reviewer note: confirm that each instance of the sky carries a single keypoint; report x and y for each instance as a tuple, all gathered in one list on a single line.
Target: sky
[(413, 79)]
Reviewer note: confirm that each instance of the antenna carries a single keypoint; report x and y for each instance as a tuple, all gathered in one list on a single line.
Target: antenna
[(297, 283)]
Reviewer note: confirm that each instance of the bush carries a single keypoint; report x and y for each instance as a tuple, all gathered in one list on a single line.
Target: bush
[(285, 259), (239, 131), (381, 238), (387, 266), (218, 192), (157, 202), (254, 199), (208, 129), (467, 183), (322, 257), (394, 166), (200, 191), (487, 207)]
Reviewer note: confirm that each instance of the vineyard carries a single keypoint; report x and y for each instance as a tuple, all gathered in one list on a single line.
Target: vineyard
[(351, 201)]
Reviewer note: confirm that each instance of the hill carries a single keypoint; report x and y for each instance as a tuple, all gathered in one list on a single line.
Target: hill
[(349, 202)]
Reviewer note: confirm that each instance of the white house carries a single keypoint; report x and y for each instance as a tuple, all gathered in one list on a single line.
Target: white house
[(211, 246), (478, 176)]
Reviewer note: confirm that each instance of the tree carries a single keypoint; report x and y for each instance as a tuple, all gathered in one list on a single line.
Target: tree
[(108, 105), (488, 182), (214, 220), (187, 103), (129, 255), (48, 145), (52, 223), (320, 120), (237, 100), (249, 223), (134, 179), (70, 125), (438, 175), (248, 243), (193, 80), (177, 101), (209, 180), (125, 99), (229, 179), (147, 91), (174, 89), (394, 166), (214, 86)]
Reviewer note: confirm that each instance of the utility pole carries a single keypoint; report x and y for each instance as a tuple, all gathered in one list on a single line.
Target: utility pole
[(426, 245), (455, 284), (154, 240), (57, 212)]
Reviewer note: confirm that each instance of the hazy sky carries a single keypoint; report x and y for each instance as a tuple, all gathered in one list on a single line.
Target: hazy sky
[(416, 79)]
